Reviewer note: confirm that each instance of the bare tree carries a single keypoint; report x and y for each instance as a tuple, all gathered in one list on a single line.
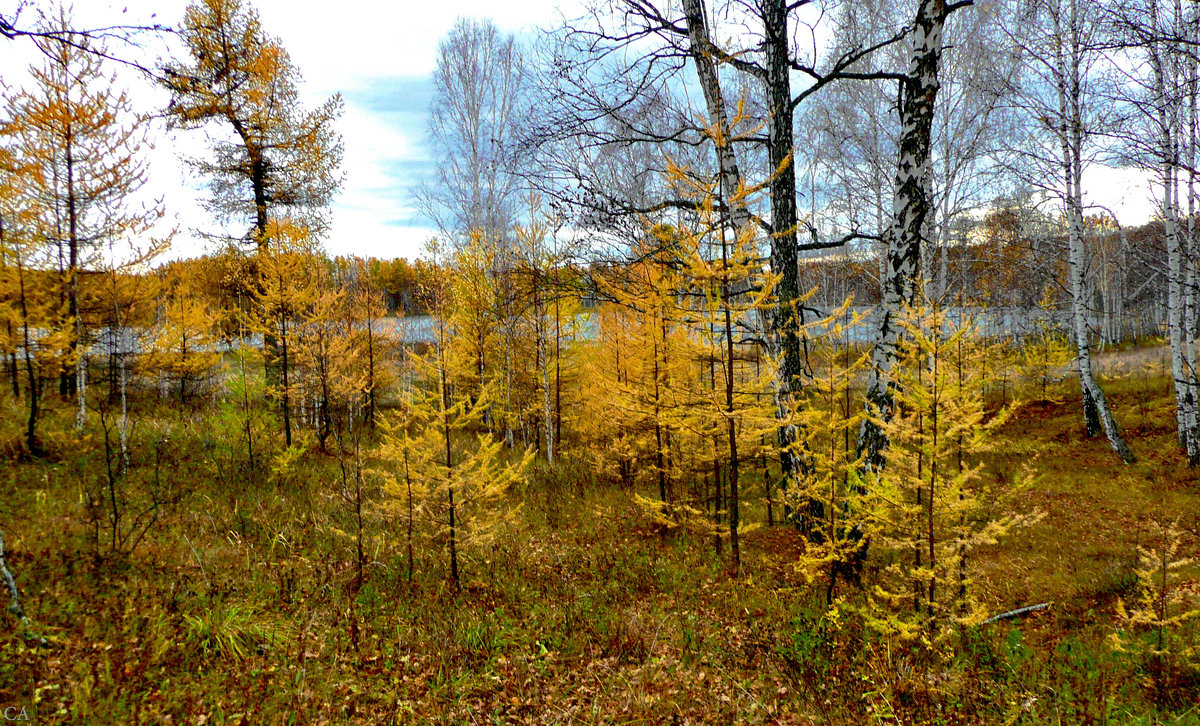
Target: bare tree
[(1060, 45), (971, 126), (478, 93), (27, 22), (1162, 90)]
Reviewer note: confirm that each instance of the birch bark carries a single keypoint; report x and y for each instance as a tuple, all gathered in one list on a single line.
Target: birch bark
[(1182, 371), (910, 208), (1097, 415)]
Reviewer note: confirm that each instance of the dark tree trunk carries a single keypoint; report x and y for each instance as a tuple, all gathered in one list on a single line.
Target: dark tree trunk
[(731, 421), (784, 319), (72, 381)]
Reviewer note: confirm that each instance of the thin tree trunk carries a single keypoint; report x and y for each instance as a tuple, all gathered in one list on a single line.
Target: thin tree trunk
[(72, 267), (14, 373), (1067, 70), (1176, 297), (33, 380), (360, 555), (281, 345), (730, 420), (659, 463), (370, 366), (123, 382), (445, 386), (557, 371), (783, 318), (409, 524), (943, 231), (544, 358)]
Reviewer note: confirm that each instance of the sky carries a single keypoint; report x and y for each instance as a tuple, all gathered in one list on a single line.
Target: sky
[(380, 57)]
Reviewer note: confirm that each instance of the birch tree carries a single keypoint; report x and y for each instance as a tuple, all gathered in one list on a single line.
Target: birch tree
[(1162, 90), (911, 205), (479, 85), (1060, 48)]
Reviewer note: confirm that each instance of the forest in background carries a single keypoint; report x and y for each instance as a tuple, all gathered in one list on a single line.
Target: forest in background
[(771, 366)]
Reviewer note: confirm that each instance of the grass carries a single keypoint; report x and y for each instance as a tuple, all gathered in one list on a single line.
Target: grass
[(238, 608)]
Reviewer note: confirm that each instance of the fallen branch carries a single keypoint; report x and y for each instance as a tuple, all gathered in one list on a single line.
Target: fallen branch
[(14, 605), (1018, 613)]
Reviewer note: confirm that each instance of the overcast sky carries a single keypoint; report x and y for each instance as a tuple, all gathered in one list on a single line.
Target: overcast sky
[(380, 56)]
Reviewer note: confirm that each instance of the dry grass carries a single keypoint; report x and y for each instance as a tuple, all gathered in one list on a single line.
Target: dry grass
[(239, 609)]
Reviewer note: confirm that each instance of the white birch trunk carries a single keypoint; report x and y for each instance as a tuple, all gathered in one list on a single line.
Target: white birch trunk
[(1096, 413), (509, 434), (1181, 369), (80, 376), (547, 406), (910, 208), (710, 85), (1192, 249), (80, 386), (943, 254), (122, 382)]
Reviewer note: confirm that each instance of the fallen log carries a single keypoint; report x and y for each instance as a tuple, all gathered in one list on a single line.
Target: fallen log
[(14, 604), (1018, 613)]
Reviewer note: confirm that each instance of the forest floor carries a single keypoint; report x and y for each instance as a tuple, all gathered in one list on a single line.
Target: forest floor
[(239, 607)]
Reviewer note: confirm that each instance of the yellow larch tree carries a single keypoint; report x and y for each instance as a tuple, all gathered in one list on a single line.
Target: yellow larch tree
[(284, 293), (825, 497), (329, 374), (1165, 602), (466, 480), (469, 307), (405, 488), (725, 288), (31, 301), (126, 304), (544, 306), (630, 402), (374, 349), (282, 164), (185, 345), (283, 161), (80, 131), (1046, 353), (929, 508)]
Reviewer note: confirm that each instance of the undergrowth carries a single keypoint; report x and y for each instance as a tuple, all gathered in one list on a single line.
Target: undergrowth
[(240, 605)]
